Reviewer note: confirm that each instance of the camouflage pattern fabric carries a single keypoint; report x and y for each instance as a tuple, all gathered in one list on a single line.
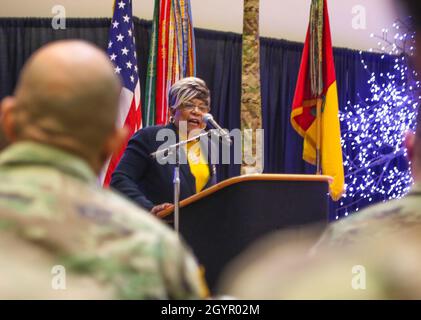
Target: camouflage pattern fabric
[(90, 231), (280, 268), (29, 269), (376, 221), (251, 110)]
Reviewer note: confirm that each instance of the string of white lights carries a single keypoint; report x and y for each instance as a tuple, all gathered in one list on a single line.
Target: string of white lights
[(375, 162)]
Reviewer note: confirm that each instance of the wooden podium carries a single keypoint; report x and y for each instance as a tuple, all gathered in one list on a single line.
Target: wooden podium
[(220, 222)]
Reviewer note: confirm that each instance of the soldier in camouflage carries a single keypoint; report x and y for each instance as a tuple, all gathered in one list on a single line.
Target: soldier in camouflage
[(376, 221), (61, 122), (280, 267)]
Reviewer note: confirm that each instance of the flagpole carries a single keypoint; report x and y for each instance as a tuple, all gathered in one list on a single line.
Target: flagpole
[(318, 134)]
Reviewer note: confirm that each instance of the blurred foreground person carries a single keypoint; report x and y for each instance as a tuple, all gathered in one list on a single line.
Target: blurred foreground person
[(61, 125), (278, 268)]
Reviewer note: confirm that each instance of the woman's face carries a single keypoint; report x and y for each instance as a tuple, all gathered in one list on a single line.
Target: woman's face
[(192, 113)]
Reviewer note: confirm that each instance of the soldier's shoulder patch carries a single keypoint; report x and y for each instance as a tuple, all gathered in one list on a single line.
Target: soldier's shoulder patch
[(16, 197), (103, 217), (387, 212), (93, 212)]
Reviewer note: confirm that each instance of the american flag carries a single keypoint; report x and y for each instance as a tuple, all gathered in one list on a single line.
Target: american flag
[(122, 52)]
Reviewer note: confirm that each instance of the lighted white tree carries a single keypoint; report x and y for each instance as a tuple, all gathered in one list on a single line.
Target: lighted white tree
[(375, 162)]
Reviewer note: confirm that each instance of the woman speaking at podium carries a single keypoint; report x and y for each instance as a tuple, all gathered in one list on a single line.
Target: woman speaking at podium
[(150, 183)]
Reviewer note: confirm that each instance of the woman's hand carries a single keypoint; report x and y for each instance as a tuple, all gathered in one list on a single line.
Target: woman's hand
[(158, 208)]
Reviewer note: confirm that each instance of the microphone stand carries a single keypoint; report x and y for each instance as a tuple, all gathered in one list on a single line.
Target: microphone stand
[(176, 177), (176, 182)]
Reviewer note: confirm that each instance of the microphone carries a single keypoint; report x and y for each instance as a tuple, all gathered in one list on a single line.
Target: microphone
[(208, 118)]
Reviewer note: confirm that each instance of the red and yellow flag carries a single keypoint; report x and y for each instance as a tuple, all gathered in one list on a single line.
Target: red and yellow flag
[(317, 84)]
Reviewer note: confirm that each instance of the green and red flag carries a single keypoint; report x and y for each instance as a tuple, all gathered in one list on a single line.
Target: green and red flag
[(171, 56)]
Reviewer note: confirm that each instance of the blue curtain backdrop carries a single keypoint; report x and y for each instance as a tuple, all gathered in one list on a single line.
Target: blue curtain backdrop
[(219, 64)]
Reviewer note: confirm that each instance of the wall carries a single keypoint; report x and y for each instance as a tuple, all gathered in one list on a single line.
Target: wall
[(281, 19)]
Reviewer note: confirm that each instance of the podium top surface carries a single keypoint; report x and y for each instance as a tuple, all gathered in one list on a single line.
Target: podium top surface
[(249, 177)]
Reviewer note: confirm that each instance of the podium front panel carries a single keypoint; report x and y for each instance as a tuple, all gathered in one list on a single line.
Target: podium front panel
[(223, 224)]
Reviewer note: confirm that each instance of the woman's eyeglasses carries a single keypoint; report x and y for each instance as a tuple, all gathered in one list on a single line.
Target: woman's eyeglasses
[(191, 107)]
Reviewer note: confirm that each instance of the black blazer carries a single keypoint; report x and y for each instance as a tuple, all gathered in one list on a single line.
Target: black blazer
[(147, 182)]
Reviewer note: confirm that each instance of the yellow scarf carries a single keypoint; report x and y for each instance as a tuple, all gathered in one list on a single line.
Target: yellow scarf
[(198, 164)]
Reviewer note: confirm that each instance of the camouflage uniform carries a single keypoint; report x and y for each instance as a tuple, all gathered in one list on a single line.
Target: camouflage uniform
[(91, 231), (28, 270), (281, 268), (376, 221)]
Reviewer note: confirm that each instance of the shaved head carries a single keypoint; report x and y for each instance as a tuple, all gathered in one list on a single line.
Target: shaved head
[(67, 96)]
